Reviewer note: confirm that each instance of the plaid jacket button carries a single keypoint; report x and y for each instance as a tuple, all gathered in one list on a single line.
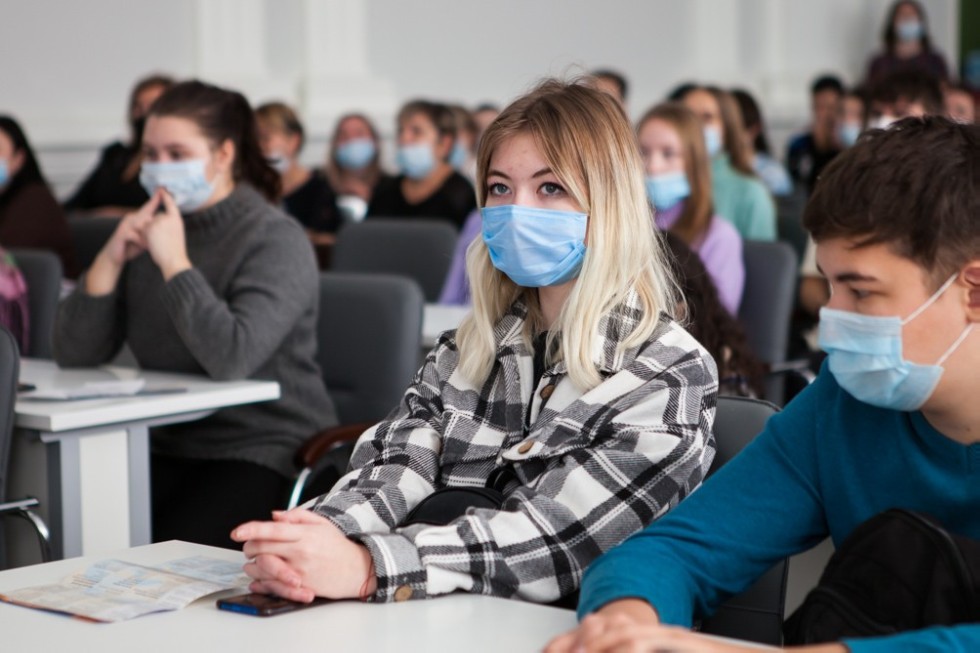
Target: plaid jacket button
[(525, 447), (403, 593), (547, 391)]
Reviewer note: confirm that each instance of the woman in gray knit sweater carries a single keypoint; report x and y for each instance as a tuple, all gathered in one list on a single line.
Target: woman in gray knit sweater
[(209, 278)]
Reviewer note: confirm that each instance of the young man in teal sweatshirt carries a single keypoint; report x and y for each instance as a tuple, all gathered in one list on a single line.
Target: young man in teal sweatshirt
[(893, 419)]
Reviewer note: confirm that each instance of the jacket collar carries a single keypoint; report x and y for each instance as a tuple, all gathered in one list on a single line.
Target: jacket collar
[(615, 326)]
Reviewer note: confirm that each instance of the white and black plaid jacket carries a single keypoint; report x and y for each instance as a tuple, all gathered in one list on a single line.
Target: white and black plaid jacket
[(595, 467)]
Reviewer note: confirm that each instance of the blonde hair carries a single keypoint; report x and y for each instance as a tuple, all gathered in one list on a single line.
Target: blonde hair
[(586, 138), (696, 214)]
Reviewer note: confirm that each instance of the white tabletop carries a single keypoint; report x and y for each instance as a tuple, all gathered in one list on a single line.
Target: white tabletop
[(459, 622), (438, 318), (201, 394)]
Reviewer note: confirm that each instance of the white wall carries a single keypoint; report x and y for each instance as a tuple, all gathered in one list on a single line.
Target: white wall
[(69, 63)]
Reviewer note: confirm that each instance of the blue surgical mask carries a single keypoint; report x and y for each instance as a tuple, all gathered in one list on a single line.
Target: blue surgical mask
[(909, 30), (417, 160), (864, 354), (712, 140), (356, 154), (666, 190), (458, 156), (535, 247), (848, 133), (184, 180), (279, 162), (4, 172)]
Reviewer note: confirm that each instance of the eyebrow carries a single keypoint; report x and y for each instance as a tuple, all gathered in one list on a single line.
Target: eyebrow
[(540, 173), (850, 277)]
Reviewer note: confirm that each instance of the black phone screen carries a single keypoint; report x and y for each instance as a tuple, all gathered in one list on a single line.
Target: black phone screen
[(264, 605)]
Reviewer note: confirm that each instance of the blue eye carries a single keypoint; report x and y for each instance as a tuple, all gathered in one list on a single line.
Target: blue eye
[(550, 188), (497, 189)]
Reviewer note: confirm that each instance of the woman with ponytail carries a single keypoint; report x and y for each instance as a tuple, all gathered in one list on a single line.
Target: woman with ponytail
[(208, 277)]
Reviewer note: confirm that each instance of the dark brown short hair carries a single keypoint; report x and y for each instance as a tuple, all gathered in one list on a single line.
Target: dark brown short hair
[(914, 187)]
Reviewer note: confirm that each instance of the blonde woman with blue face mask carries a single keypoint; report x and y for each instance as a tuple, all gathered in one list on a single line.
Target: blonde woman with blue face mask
[(569, 392)]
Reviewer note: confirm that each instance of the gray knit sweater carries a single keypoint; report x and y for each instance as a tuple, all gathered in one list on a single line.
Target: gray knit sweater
[(247, 309)]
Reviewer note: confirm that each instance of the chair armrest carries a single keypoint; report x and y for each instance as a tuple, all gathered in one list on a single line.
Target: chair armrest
[(315, 447), (22, 508)]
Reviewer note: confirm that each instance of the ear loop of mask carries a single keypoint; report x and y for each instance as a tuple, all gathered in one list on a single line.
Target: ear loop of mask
[(929, 302)]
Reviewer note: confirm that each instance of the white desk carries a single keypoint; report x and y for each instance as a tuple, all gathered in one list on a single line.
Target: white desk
[(459, 622), (88, 461), (438, 318)]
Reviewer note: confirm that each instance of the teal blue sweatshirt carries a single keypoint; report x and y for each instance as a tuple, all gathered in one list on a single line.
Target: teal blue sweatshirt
[(821, 467)]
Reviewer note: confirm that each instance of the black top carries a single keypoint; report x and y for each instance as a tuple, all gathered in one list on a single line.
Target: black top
[(453, 201), (105, 185), (314, 204), (805, 162)]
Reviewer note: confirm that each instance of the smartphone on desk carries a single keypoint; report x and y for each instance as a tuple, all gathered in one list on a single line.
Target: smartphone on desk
[(264, 605)]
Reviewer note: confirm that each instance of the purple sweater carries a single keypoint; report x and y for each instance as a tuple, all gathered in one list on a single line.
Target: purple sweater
[(720, 249), (456, 289)]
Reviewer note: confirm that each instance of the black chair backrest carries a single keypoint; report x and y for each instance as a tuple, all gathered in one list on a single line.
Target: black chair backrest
[(9, 373), (369, 334), (89, 235), (771, 274), (419, 249), (757, 613), (789, 219), (42, 273)]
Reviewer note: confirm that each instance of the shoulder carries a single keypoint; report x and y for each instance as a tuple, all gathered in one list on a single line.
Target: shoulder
[(721, 230), (673, 352), (37, 196)]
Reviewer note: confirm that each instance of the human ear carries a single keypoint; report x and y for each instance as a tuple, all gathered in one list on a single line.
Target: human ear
[(971, 279), (444, 145), (16, 161), (224, 156)]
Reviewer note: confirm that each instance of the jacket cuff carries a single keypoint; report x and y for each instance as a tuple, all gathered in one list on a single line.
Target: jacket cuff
[(397, 566)]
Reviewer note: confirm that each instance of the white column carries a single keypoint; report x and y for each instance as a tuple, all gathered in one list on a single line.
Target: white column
[(231, 49), (337, 73)]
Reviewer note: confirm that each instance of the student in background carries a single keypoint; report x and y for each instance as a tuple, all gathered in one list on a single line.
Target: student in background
[(306, 194), (678, 181), (852, 117), (738, 195), (30, 216), (770, 171), (210, 278), (890, 422), (808, 153), (960, 104), (613, 83), (113, 187), (907, 94), (907, 46), (568, 389), (483, 115), (702, 313), (354, 164), (456, 288), (428, 187), (463, 155)]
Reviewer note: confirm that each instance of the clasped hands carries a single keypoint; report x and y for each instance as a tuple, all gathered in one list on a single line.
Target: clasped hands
[(300, 555), (156, 227)]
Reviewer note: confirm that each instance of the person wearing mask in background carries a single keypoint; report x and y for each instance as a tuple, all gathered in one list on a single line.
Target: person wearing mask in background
[(702, 313), (113, 187), (568, 390), (428, 187), (891, 421), (613, 83), (354, 164), (852, 117), (738, 195), (209, 277), (907, 46), (770, 171), (306, 193), (907, 94), (483, 115), (960, 103), (463, 155), (808, 153), (30, 216), (678, 182)]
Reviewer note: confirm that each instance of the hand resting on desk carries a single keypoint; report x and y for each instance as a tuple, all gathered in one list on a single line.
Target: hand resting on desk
[(300, 555)]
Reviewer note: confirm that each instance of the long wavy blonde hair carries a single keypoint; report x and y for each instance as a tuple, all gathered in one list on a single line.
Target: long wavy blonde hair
[(586, 138)]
